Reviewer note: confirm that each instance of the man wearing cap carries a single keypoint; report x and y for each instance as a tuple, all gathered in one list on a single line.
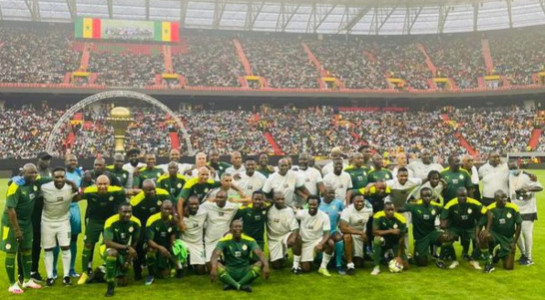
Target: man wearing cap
[(133, 164)]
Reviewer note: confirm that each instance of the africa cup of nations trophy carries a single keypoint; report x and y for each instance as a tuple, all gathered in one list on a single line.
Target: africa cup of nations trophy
[(120, 118)]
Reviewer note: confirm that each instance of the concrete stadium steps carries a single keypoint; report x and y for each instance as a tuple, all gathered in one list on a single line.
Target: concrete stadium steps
[(174, 140), (487, 56), (277, 150), (533, 143), (242, 57), (463, 142)]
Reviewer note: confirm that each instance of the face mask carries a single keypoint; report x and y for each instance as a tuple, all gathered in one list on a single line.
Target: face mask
[(514, 172)]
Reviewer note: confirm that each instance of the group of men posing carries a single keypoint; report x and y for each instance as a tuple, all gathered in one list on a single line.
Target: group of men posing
[(353, 210)]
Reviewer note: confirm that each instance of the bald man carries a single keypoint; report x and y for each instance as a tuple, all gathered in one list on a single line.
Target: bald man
[(117, 170), (144, 204), (103, 200), (237, 168), (99, 168), (336, 152), (174, 156)]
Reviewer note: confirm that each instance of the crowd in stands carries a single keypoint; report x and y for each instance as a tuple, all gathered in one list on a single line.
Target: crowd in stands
[(459, 58), (46, 54), (354, 65), (312, 129), (36, 55), (519, 55), (211, 61), (126, 68), (282, 61), (505, 129)]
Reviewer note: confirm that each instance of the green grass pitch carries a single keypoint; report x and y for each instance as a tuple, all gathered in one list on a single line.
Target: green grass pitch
[(416, 283)]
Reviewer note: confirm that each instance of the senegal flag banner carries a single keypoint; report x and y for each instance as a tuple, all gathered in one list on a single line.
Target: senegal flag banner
[(88, 28), (166, 32)]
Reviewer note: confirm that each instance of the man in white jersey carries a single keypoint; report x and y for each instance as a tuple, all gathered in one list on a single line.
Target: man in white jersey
[(495, 176), (174, 155), (286, 182), (522, 191), (401, 162), (421, 168), (219, 215), (340, 181), (311, 177), (282, 233), (237, 167), (251, 181), (353, 225), (335, 153), (55, 227), (194, 219), (133, 165), (314, 236)]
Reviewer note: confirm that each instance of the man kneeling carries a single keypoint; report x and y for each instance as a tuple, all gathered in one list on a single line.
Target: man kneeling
[(121, 233), (237, 249)]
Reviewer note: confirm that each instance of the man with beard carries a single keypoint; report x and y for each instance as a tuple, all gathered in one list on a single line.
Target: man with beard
[(286, 182), (117, 170), (219, 166), (172, 182), (264, 167), (133, 165)]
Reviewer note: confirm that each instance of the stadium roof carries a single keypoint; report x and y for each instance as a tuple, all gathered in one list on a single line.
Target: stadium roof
[(369, 17)]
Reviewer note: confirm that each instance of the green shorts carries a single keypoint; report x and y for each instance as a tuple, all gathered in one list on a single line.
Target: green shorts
[(422, 246), (503, 242), (238, 273), (120, 270), (462, 233), (9, 243), (93, 230)]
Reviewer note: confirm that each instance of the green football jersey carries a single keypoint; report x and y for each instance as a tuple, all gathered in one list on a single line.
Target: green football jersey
[(423, 217), (237, 254), (220, 167), (102, 206), (146, 173), (143, 207), (463, 216), (504, 219), (455, 180), (381, 222), (379, 175), (125, 233), (173, 185), (121, 175), (161, 231), (358, 176), (194, 187), (22, 198), (254, 221)]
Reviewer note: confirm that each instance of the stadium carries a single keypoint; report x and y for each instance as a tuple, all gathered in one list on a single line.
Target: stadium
[(297, 82)]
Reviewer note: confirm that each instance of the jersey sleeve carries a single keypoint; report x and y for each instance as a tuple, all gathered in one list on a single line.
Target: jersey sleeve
[(326, 224), (253, 245), (294, 225), (518, 218), (12, 196), (403, 227), (150, 231), (444, 214), (136, 233), (299, 181), (108, 233), (185, 193), (468, 184), (349, 184), (220, 245), (267, 187), (345, 215)]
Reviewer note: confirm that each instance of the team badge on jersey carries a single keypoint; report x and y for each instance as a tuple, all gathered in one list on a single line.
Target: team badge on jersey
[(433, 212), (159, 202), (395, 226), (131, 229), (8, 246), (169, 229), (179, 185), (509, 215), (244, 247), (469, 211), (124, 175), (461, 177), (111, 198), (35, 188), (206, 190)]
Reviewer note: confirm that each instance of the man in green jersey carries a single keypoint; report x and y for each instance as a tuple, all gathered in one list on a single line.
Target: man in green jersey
[(237, 249), (17, 233), (162, 231), (218, 165), (121, 233), (150, 171), (103, 201), (459, 218), (424, 213), (254, 218), (173, 182), (358, 171), (502, 229), (379, 173), (99, 168), (455, 177), (117, 170), (144, 204), (390, 230)]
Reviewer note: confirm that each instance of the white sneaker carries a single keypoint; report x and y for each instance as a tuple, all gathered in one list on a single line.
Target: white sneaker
[(376, 271), (15, 289), (31, 284), (475, 264), (453, 265)]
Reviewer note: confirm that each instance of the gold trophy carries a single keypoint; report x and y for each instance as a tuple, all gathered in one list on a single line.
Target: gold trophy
[(120, 118)]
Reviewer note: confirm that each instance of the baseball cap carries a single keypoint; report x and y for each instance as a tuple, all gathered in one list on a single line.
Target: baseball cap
[(44, 155)]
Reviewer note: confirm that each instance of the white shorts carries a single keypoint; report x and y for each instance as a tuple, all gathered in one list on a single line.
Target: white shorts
[(196, 253), (278, 247), (307, 253), (52, 232), (357, 245), (209, 249)]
